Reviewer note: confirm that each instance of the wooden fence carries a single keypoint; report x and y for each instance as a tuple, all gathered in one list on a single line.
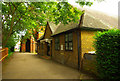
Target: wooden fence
[(3, 53)]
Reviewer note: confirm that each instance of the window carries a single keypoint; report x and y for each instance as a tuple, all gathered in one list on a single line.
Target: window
[(69, 41), (57, 43)]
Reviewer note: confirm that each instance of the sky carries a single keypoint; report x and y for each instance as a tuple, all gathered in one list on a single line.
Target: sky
[(109, 7)]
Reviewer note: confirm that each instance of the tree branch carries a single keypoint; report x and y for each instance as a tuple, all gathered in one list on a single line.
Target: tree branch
[(21, 17)]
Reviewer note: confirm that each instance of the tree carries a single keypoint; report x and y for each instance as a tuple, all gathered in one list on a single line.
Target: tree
[(12, 41), (19, 16), (25, 16), (86, 2)]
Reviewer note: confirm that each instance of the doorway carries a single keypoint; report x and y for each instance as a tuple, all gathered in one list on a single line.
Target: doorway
[(28, 45), (48, 49)]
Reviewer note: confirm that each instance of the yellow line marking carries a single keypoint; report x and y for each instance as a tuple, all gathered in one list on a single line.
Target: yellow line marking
[(2, 50), (3, 57)]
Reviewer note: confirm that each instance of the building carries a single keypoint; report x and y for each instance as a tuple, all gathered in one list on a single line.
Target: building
[(30, 44), (68, 43), (45, 41)]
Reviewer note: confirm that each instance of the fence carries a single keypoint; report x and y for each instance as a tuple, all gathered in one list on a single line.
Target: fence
[(3, 53)]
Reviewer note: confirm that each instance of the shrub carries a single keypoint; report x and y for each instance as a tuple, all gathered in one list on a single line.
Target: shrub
[(107, 47)]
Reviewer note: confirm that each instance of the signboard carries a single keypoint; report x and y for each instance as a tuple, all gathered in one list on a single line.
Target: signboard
[(89, 56), (61, 47)]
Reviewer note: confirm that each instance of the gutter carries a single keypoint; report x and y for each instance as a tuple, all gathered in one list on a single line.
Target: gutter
[(79, 42), (78, 50)]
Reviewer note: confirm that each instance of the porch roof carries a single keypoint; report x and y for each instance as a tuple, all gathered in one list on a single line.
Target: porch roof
[(46, 40), (40, 38)]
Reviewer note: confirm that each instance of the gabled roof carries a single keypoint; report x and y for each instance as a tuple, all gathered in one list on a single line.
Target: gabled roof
[(62, 28), (95, 19), (92, 22), (108, 20), (53, 26), (89, 21)]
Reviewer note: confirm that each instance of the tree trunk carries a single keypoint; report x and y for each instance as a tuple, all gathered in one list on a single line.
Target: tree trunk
[(9, 34)]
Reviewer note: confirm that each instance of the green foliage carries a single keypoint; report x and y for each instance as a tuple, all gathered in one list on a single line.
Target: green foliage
[(83, 2), (107, 47), (20, 16), (86, 2), (12, 41)]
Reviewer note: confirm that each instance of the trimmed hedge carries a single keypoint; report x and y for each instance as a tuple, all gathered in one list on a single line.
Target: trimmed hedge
[(107, 47)]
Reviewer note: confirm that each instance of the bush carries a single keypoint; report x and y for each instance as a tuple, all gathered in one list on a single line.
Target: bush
[(107, 47), (9, 52)]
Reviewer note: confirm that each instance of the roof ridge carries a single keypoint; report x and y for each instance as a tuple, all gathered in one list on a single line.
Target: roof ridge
[(57, 27), (53, 26)]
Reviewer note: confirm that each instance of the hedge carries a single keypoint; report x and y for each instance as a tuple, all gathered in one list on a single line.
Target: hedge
[(107, 47)]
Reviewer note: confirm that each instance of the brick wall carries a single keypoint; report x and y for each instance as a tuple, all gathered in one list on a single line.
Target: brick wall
[(87, 45), (69, 58)]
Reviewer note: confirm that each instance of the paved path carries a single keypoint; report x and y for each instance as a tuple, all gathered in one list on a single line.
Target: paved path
[(30, 66)]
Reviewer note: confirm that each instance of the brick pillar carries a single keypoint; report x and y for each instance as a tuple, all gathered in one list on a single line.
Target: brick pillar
[(23, 48), (31, 44)]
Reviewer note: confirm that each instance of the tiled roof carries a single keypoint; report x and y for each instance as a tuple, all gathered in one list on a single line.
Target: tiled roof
[(111, 21), (53, 26), (62, 28), (90, 21)]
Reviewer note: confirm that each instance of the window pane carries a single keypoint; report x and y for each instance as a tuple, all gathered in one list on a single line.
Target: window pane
[(71, 48), (66, 46), (66, 37), (70, 45), (57, 43), (70, 37)]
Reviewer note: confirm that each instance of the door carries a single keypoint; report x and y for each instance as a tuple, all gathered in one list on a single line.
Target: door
[(28, 45), (48, 49)]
